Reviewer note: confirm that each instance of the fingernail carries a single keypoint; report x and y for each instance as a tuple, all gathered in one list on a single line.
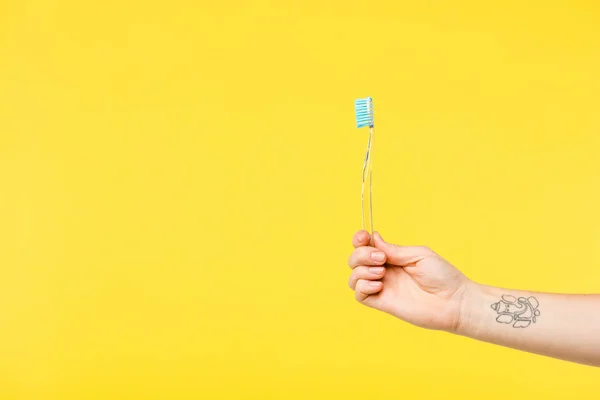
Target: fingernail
[(377, 256), (378, 234), (374, 283), (376, 270)]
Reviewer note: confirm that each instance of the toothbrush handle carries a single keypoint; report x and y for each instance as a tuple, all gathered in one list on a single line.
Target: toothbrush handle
[(367, 198)]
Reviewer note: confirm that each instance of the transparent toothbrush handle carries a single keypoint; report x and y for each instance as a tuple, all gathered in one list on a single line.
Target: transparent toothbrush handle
[(367, 195)]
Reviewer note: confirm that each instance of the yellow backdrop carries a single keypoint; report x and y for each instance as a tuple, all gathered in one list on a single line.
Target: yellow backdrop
[(180, 181)]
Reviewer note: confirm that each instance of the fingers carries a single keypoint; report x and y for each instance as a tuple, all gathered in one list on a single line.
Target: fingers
[(366, 256), (365, 288), (367, 273), (361, 238), (401, 255)]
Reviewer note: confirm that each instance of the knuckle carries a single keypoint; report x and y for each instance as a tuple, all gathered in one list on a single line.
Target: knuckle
[(354, 278), (365, 253), (358, 296), (358, 256), (360, 284), (425, 249)]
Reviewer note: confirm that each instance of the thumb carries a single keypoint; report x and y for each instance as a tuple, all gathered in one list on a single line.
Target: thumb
[(401, 255)]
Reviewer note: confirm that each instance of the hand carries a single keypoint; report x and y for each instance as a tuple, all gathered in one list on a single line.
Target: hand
[(412, 283)]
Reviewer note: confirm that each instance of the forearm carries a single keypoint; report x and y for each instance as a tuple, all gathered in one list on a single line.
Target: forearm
[(555, 325)]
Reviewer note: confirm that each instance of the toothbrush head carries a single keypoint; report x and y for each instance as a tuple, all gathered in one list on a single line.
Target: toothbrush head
[(364, 112)]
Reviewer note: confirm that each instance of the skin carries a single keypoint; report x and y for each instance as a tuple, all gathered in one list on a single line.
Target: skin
[(418, 286)]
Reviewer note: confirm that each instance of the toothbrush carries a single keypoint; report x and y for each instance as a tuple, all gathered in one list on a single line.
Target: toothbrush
[(364, 117)]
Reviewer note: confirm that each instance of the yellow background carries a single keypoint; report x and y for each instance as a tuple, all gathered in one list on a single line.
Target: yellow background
[(180, 181)]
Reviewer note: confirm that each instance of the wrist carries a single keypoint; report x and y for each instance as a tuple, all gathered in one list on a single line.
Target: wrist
[(472, 310)]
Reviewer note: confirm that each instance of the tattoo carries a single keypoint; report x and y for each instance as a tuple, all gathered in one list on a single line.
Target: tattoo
[(522, 311)]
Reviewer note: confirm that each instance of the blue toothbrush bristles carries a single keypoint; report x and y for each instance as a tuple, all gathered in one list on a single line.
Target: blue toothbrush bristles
[(364, 112)]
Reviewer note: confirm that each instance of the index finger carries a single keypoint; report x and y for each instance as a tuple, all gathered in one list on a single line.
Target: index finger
[(361, 238)]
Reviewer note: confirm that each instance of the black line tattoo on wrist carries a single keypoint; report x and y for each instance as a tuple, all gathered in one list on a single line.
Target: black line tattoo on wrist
[(520, 312)]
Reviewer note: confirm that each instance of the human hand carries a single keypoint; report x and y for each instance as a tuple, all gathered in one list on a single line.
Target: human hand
[(412, 283)]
